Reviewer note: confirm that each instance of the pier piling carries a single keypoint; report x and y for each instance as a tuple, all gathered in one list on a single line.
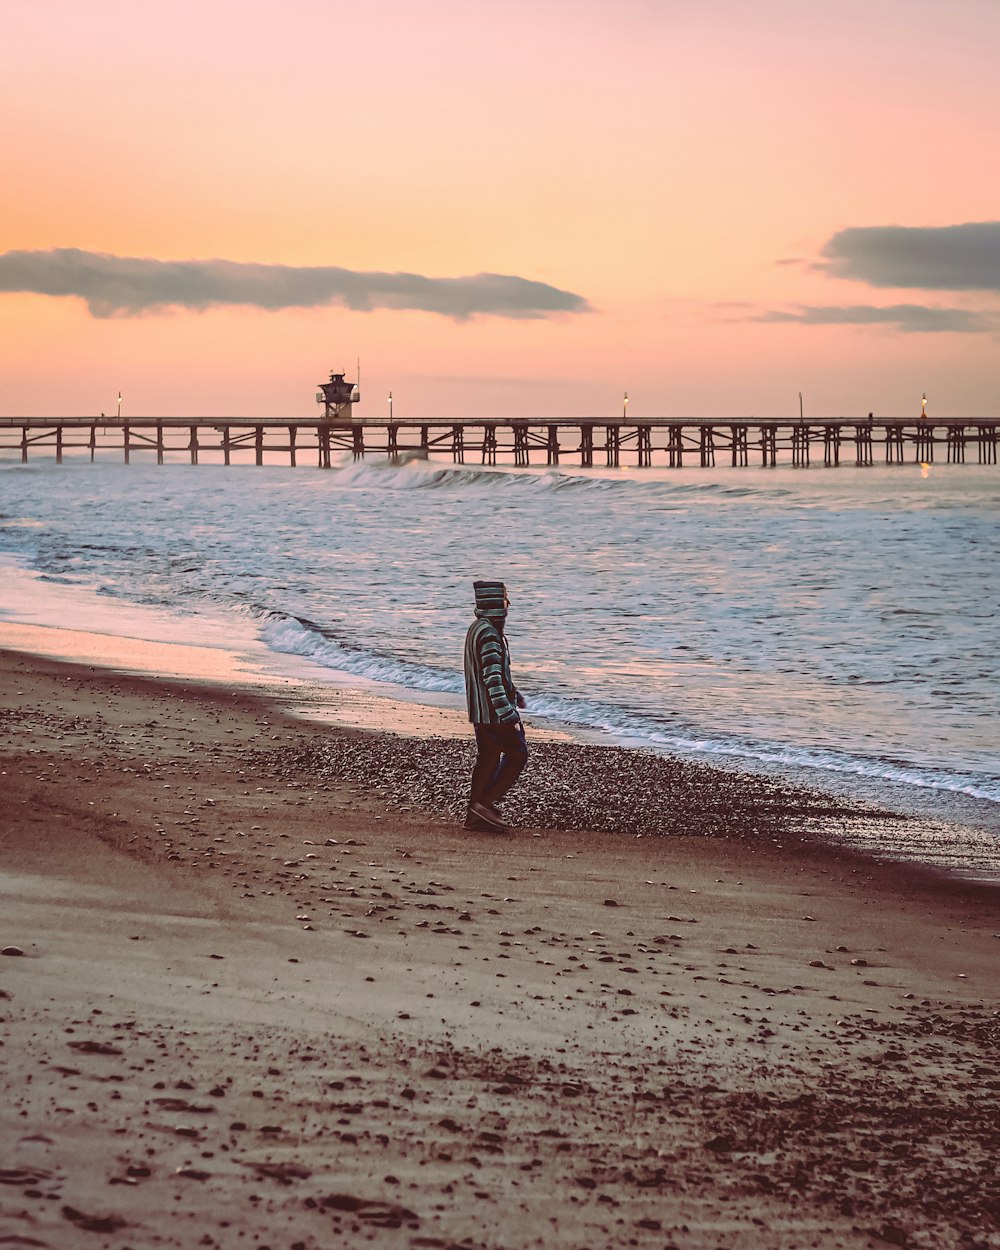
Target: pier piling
[(587, 446), (862, 445), (924, 440), (552, 445), (613, 445)]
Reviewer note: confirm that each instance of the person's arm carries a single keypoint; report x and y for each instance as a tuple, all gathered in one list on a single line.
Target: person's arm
[(491, 662), (519, 698)]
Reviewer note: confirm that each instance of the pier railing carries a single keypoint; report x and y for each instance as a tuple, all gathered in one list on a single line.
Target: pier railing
[(587, 442)]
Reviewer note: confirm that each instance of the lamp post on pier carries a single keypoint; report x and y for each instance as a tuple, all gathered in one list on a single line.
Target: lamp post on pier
[(801, 417), (390, 405), (119, 405), (625, 407)]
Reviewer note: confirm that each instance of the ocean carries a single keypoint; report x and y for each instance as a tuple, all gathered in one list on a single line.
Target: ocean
[(838, 626)]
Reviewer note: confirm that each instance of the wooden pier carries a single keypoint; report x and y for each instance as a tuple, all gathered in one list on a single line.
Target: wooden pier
[(588, 442)]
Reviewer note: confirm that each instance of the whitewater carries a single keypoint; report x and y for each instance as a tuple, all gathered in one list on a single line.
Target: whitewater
[(838, 625)]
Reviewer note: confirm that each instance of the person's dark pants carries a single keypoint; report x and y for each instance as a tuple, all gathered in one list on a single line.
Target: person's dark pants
[(502, 755)]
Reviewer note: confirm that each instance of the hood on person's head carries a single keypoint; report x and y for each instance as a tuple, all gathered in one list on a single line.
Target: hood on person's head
[(491, 601)]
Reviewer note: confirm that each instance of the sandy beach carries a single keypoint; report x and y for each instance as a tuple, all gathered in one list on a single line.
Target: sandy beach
[(259, 990)]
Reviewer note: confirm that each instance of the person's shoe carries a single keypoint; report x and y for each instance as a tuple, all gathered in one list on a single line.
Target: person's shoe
[(487, 816), (497, 815), (474, 825)]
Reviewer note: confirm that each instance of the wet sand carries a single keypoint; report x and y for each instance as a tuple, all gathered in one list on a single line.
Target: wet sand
[(271, 996)]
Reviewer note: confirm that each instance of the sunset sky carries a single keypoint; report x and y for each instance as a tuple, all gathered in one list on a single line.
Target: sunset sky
[(503, 207)]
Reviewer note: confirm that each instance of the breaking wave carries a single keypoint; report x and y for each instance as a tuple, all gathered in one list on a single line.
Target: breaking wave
[(292, 636), (789, 488)]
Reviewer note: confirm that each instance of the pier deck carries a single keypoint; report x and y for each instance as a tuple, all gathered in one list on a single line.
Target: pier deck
[(586, 442)]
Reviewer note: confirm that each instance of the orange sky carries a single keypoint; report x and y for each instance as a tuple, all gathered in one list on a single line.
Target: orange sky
[(658, 158)]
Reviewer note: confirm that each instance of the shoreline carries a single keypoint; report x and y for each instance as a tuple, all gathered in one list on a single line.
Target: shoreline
[(261, 1006), (963, 825), (341, 731), (965, 843)]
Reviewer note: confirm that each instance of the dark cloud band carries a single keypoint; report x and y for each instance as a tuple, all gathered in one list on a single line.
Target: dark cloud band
[(933, 258), (910, 318), (123, 286)]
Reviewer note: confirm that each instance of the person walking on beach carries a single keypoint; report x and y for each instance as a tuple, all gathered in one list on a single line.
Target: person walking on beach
[(493, 701)]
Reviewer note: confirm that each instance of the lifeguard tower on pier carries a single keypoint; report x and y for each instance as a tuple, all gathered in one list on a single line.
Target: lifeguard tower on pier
[(338, 398)]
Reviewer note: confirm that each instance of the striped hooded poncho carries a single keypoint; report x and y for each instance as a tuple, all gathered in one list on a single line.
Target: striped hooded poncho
[(491, 694)]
